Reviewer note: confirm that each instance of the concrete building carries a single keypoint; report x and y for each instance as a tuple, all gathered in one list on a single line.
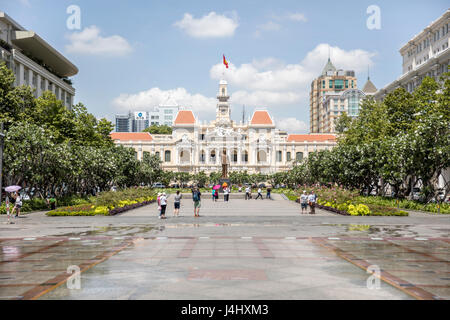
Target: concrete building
[(331, 81), (34, 62), (137, 121), (425, 55), (255, 145), (165, 113)]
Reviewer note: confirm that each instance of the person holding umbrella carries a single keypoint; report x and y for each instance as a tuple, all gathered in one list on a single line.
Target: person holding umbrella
[(18, 199)]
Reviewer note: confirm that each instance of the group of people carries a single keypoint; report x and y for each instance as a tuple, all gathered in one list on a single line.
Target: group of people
[(248, 193), (226, 194), (308, 200), (162, 203)]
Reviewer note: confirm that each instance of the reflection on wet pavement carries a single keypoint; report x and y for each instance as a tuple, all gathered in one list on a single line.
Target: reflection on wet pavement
[(118, 264)]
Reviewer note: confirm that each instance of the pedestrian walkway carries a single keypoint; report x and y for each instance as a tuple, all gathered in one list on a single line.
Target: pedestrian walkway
[(232, 208)]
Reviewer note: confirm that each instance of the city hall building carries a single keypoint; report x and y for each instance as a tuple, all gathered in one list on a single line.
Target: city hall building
[(256, 146)]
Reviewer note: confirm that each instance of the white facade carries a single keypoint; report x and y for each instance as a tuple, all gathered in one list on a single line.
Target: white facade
[(253, 146), (425, 55), (18, 45)]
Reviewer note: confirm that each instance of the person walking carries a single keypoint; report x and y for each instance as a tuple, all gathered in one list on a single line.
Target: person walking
[(196, 197), (269, 190), (304, 202), (312, 202), (247, 193), (177, 204), (163, 205), (259, 194), (216, 195), (17, 205), (226, 194)]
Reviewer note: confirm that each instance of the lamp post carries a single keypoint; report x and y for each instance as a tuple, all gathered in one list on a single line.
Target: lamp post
[(2, 136)]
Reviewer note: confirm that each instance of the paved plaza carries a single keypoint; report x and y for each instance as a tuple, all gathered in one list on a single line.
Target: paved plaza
[(255, 249)]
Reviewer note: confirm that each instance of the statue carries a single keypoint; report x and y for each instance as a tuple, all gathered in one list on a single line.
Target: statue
[(224, 165)]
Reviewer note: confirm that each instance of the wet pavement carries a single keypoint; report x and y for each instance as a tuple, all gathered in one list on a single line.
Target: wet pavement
[(239, 250)]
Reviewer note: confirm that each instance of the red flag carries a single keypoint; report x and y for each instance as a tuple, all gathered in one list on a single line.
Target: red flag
[(225, 62)]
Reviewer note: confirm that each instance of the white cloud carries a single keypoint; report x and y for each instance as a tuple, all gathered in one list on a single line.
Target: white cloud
[(269, 81), (270, 26), (25, 3), (297, 17), (212, 25), (264, 98), (89, 41), (292, 125), (147, 100)]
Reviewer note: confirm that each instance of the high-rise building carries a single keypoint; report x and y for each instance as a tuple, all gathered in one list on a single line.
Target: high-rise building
[(425, 55), (330, 82), (35, 63), (123, 123), (137, 121)]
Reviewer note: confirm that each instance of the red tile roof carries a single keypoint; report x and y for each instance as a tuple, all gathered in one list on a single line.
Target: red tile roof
[(311, 137), (261, 117), (131, 136), (185, 117)]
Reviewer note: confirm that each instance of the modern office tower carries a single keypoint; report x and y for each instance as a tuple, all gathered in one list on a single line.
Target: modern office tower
[(425, 55), (34, 62), (330, 82)]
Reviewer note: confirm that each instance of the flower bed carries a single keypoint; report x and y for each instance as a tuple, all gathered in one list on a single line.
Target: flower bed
[(109, 203), (348, 203)]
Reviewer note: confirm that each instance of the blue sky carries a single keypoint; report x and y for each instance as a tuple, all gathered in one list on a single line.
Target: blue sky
[(145, 51)]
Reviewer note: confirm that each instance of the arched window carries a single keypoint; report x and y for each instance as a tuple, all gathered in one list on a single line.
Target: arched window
[(157, 154), (202, 157), (213, 156), (299, 156), (279, 156), (288, 156), (223, 91), (235, 156), (167, 155), (245, 156)]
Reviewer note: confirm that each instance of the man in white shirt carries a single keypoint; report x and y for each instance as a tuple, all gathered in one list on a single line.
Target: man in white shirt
[(247, 193), (304, 202), (312, 202), (259, 194)]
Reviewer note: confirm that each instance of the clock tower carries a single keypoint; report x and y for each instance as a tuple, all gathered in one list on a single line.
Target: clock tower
[(223, 111)]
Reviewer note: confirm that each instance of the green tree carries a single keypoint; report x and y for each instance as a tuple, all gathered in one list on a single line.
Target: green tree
[(158, 129)]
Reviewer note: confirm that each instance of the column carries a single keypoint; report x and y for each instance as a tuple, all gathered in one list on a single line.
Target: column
[(38, 85), (239, 155), (45, 84), (21, 75), (30, 78)]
